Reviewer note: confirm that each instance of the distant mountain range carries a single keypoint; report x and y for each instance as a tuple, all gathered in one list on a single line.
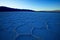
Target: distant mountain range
[(8, 9), (50, 11)]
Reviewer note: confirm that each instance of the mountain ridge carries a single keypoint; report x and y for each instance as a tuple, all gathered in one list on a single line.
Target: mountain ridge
[(8, 9), (3, 9)]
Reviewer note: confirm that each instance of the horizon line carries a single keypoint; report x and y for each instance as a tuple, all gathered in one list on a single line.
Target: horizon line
[(29, 9)]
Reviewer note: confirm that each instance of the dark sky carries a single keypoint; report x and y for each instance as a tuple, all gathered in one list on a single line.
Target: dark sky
[(32, 4)]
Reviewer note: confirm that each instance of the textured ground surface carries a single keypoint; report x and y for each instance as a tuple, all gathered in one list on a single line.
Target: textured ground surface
[(29, 26)]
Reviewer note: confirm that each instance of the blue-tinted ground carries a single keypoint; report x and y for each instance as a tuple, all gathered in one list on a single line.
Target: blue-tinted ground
[(29, 26)]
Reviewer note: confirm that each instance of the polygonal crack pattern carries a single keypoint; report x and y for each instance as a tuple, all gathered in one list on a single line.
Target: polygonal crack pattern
[(26, 37), (29, 32), (29, 26)]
